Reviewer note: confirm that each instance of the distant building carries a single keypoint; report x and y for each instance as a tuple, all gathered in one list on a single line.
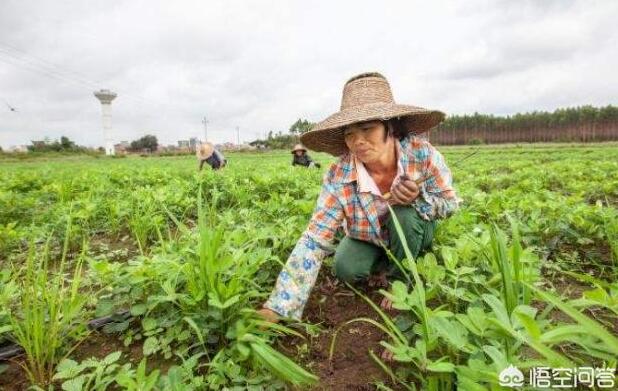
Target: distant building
[(184, 144), (193, 143), (122, 147), (19, 149), (226, 146)]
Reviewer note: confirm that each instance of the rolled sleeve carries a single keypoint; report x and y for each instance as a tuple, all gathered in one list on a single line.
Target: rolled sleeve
[(300, 272), (437, 198)]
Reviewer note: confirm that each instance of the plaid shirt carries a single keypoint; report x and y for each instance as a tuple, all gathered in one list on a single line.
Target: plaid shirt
[(340, 204)]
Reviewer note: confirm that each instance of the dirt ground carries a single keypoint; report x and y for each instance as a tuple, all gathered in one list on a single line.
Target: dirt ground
[(331, 305)]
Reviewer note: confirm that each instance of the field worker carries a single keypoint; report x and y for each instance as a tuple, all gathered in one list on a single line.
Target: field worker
[(301, 158), (207, 153), (380, 162)]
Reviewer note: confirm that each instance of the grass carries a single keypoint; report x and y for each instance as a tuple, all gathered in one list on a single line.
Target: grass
[(47, 319)]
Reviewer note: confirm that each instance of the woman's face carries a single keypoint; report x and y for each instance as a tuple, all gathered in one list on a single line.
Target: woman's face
[(299, 152), (366, 141)]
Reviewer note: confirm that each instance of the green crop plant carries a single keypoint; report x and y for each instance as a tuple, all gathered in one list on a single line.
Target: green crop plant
[(47, 318), (187, 266), (89, 375)]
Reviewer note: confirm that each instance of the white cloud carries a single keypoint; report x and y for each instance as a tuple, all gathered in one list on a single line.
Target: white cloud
[(260, 65)]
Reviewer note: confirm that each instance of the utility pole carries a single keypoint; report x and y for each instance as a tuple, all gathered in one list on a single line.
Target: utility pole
[(237, 136), (205, 122)]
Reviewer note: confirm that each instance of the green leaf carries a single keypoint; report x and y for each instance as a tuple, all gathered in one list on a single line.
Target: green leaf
[(138, 309), (74, 384), (214, 301), (498, 309), (111, 358), (563, 333), (529, 324), (466, 270), (465, 320), (105, 307), (280, 364), (151, 345), (453, 332), (149, 324), (592, 327), (197, 330), (478, 317), (441, 367), (449, 256), (67, 369), (497, 356), (244, 350), (231, 301)]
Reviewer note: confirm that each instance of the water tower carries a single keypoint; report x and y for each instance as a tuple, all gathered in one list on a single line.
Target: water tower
[(106, 97)]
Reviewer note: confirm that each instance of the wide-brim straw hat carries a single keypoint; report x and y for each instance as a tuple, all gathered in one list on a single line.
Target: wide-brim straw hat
[(299, 147), (204, 150), (367, 97)]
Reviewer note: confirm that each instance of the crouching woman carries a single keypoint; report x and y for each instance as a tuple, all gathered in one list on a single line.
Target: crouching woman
[(381, 162)]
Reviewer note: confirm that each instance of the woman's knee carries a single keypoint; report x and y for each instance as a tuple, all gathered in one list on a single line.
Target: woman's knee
[(354, 259), (344, 269), (418, 232)]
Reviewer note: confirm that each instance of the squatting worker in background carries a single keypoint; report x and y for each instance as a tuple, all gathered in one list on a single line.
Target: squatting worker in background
[(381, 162), (207, 153), (301, 158)]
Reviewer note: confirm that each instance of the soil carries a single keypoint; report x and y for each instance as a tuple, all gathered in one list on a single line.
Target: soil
[(330, 305), (120, 248)]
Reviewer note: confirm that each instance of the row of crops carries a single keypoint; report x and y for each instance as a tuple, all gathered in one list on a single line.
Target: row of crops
[(524, 275)]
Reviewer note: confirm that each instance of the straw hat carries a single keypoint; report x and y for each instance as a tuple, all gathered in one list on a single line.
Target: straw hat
[(299, 147), (366, 97), (204, 150)]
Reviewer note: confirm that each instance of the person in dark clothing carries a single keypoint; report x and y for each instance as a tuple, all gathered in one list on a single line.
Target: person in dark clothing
[(301, 158), (206, 153)]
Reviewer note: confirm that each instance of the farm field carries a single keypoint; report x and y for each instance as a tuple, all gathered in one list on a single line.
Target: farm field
[(525, 274)]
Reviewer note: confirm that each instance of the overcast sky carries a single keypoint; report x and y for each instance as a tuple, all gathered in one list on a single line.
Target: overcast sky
[(260, 65)]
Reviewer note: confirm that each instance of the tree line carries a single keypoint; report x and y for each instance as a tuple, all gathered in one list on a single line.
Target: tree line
[(63, 145), (568, 117), (583, 123)]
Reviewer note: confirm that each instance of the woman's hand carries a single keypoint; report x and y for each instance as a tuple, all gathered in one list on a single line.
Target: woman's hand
[(404, 191), (268, 315)]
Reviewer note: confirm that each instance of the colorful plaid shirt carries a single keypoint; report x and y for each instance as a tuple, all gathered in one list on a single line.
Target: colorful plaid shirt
[(341, 205)]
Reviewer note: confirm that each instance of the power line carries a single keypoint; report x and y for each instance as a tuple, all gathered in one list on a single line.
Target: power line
[(47, 68), (26, 61)]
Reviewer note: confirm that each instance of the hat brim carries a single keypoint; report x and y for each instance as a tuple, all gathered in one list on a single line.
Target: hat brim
[(204, 152), (327, 136)]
